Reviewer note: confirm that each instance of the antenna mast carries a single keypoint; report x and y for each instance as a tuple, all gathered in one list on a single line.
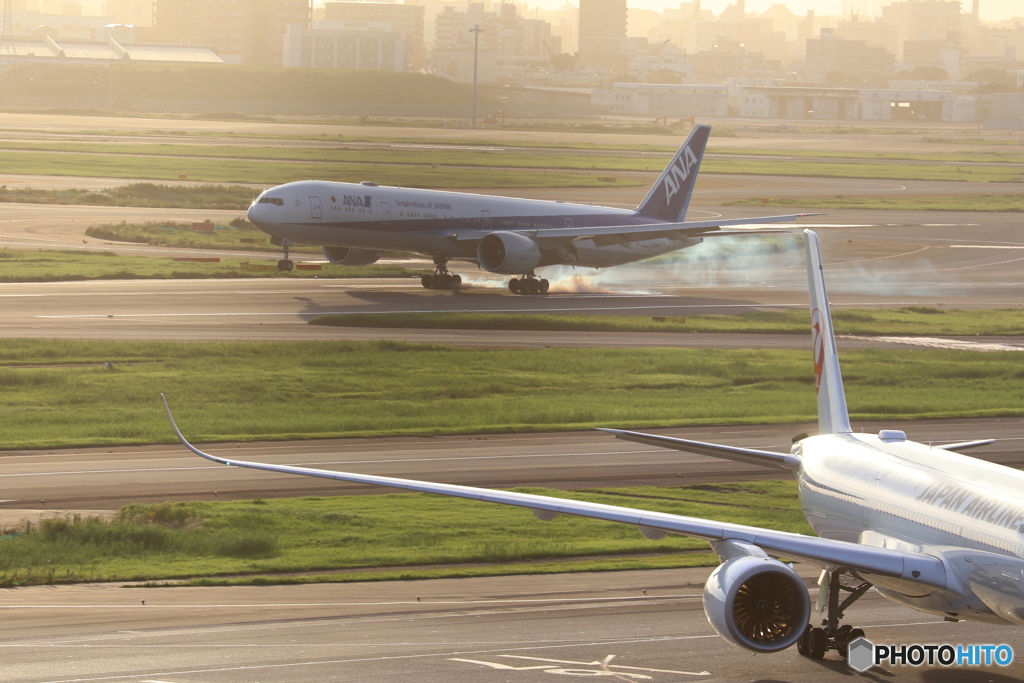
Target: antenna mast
[(7, 39)]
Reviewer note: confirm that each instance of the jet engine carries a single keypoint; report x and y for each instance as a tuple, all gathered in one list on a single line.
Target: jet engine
[(508, 252), (757, 603), (347, 256)]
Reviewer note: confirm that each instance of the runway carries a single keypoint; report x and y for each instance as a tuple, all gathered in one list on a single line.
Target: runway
[(107, 478), (500, 630)]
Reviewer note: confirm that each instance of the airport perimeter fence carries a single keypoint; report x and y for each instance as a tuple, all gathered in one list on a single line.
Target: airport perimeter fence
[(252, 107)]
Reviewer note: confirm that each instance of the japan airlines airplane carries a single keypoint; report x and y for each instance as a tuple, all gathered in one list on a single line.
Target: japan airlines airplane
[(925, 526), (355, 222)]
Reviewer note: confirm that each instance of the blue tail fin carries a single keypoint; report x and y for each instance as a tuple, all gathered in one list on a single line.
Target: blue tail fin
[(670, 195)]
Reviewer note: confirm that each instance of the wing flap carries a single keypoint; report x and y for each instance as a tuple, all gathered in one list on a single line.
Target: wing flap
[(745, 455), (919, 568)]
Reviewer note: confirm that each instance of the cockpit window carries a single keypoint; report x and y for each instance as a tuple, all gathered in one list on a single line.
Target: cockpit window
[(276, 201)]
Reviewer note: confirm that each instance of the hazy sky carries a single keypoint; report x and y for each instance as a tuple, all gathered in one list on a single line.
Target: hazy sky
[(991, 10)]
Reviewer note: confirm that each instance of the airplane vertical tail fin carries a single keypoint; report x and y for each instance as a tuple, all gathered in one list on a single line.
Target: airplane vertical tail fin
[(833, 417), (669, 197)]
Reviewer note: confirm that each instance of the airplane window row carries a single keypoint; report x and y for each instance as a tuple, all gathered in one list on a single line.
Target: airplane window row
[(276, 201)]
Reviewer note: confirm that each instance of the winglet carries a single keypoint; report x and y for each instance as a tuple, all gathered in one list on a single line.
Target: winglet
[(184, 441), (670, 195), (833, 417)]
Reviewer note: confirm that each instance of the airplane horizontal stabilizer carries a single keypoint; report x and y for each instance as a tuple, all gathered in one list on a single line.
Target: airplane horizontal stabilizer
[(746, 455)]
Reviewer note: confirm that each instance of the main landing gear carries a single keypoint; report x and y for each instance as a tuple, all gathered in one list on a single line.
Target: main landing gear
[(285, 264), (528, 285), (441, 279), (815, 642)]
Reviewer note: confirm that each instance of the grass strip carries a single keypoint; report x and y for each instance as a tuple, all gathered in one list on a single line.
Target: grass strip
[(491, 175), (1008, 203), (139, 194), (431, 168), (58, 393), (238, 235), (63, 266), (913, 321), (391, 534)]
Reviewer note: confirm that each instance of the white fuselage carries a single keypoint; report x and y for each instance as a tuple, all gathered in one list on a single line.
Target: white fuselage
[(903, 495), (367, 216)]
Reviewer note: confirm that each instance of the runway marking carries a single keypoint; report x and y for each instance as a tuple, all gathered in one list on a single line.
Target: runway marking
[(481, 310), (607, 663), (981, 246), (338, 462), (939, 343), (514, 601), (447, 655)]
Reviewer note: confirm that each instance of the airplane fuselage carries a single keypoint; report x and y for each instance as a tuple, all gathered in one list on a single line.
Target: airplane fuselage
[(892, 493), (368, 216)]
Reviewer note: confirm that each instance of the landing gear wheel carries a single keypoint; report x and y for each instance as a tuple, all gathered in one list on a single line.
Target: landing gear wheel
[(285, 265), (844, 636), (513, 286), (441, 278), (544, 284), (817, 641), (803, 645)]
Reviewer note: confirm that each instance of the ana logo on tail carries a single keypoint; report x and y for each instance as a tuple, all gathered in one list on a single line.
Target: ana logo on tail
[(818, 341), (679, 172)]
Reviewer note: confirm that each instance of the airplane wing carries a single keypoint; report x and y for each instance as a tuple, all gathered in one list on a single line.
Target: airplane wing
[(914, 567), (750, 456), (647, 230), (964, 445)]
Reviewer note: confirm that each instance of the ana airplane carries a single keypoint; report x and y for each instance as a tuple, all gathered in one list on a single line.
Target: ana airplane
[(924, 525), (354, 223)]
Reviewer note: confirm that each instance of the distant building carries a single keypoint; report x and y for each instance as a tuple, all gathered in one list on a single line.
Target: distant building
[(943, 54), (407, 20), (335, 47), (917, 105), (24, 23), (1007, 112), (58, 50), (603, 42), (731, 60), (777, 102), (134, 12), (922, 19), (519, 44), (651, 99), (241, 31), (852, 57)]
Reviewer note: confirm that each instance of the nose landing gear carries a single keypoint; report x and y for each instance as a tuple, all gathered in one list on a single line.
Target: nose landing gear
[(530, 284), (285, 264), (441, 278)]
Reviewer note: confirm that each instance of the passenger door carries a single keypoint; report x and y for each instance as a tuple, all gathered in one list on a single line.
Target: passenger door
[(385, 212), (314, 208)]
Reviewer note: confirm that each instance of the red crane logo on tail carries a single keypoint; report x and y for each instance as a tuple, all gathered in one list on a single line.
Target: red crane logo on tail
[(818, 341)]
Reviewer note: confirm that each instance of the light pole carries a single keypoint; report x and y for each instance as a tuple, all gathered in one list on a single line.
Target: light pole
[(476, 31)]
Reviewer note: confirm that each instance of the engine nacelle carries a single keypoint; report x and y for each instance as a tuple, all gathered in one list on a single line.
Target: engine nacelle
[(757, 603), (347, 256), (508, 252)]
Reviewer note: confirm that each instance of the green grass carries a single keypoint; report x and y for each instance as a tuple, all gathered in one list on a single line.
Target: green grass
[(61, 266), (428, 168), (278, 172), (58, 393), (920, 321), (1010, 203), (272, 537), (238, 235), (140, 194)]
